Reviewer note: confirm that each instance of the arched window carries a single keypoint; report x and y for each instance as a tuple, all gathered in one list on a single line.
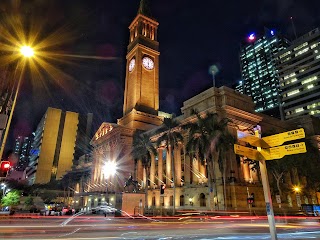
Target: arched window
[(182, 200), (202, 200), (171, 200)]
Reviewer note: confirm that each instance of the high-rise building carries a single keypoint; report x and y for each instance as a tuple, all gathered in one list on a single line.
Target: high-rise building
[(299, 75), (17, 145), (54, 145), (22, 150), (258, 70)]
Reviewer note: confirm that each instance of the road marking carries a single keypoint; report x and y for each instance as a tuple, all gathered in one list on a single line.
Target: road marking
[(67, 234)]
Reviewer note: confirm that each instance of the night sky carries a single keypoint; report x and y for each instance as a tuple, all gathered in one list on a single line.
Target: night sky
[(192, 34)]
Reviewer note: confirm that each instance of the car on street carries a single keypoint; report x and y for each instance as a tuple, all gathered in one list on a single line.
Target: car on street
[(105, 209)]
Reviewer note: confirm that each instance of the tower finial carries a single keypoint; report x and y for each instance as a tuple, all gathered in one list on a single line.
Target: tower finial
[(144, 8)]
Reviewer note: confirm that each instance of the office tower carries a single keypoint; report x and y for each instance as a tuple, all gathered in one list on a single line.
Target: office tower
[(22, 150), (17, 145), (258, 70), (299, 71), (55, 144)]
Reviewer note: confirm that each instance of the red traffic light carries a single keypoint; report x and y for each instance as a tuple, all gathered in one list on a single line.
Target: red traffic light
[(5, 165)]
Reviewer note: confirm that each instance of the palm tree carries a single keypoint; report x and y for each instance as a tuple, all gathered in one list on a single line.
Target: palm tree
[(142, 150), (209, 140), (224, 144), (172, 137)]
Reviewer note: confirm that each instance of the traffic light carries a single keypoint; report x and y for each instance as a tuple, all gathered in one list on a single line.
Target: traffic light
[(4, 168), (162, 188)]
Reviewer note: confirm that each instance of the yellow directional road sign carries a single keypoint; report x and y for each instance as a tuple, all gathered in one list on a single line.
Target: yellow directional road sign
[(279, 139), (281, 151), (270, 153), (247, 152), (274, 140)]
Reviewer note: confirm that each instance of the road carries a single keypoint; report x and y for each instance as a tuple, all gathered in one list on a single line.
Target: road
[(100, 227)]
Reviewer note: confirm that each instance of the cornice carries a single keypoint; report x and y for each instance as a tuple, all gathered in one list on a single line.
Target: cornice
[(142, 47), (143, 17), (242, 114)]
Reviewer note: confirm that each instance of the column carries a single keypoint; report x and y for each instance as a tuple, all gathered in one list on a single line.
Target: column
[(160, 167), (152, 171), (245, 169), (145, 178), (195, 169), (168, 167), (139, 171), (187, 169), (177, 165), (202, 171)]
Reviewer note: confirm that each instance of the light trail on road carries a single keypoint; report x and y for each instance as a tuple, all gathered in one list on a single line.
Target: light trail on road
[(96, 227)]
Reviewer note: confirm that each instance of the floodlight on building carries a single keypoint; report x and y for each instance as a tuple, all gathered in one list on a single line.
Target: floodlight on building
[(110, 169)]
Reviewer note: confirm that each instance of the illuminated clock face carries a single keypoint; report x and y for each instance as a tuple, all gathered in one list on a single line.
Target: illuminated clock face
[(148, 63), (132, 63)]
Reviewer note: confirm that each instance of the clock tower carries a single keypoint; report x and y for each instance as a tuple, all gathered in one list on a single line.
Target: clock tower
[(141, 96)]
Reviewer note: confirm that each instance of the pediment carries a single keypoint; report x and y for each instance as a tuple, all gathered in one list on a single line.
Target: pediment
[(106, 129), (103, 130)]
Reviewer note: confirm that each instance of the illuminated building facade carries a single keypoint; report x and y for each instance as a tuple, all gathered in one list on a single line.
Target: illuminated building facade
[(112, 143), (22, 150), (299, 74), (258, 70), (54, 145), (112, 162)]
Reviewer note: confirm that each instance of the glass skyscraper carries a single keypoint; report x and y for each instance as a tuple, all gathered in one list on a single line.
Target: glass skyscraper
[(299, 72), (258, 70)]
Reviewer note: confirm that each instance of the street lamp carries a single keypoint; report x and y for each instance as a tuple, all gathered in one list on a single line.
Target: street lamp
[(214, 70), (26, 52), (109, 170), (3, 187), (296, 189)]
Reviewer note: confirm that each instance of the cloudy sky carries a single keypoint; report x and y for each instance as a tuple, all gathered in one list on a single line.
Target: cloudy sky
[(193, 35)]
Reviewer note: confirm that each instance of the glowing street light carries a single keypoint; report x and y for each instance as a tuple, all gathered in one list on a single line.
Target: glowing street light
[(27, 52), (296, 189)]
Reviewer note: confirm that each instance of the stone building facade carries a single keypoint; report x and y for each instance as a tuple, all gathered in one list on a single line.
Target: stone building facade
[(112, 142)]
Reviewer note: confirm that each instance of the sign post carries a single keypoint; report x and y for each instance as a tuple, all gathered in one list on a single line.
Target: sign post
[(267, 193), (268, 148)]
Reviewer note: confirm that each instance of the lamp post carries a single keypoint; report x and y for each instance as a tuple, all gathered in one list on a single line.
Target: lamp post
[(3, 187), (109, 170), (214, 70), (297, 191), (26, 52)]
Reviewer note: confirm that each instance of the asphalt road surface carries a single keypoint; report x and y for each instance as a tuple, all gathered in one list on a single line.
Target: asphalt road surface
[(100, 227)]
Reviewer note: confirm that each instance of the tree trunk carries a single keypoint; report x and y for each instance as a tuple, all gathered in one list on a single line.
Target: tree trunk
[(224, 183), (174, 181), (210, 181), (214, 181), (278, 176), (146, 190)]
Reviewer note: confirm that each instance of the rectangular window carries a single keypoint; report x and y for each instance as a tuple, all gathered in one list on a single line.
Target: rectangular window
[(293, 92)]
